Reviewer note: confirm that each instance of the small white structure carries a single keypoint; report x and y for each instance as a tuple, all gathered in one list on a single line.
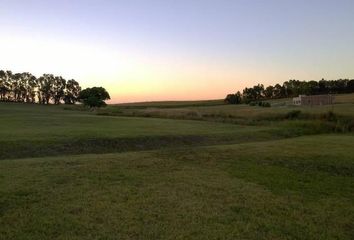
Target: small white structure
[(303, 100)]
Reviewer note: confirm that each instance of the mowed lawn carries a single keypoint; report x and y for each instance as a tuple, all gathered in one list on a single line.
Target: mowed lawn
[(68, 174), (301, 188)]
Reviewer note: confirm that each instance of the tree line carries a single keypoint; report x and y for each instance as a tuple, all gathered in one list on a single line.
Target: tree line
[(291, 88), (25, 87)]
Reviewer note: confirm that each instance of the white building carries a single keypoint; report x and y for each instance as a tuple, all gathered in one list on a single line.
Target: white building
[(303, 100)]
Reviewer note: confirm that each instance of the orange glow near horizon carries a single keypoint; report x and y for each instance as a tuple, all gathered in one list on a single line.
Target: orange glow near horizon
[(134, 75)]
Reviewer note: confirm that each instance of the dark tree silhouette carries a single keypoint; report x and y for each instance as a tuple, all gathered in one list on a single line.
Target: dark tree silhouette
[(269, 92), (293, 88), (25, 87), (46, 83), (5, 85), (234, 98), (58, 89), (94, 97), (71, 92)]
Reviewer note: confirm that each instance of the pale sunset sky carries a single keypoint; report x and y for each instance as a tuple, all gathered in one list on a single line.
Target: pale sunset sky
[(178, 50)]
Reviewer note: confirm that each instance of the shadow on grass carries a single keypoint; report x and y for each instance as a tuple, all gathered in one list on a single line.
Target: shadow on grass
[(26, 149)]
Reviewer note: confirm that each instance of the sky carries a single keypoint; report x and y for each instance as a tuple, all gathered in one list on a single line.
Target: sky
[(155, 50)]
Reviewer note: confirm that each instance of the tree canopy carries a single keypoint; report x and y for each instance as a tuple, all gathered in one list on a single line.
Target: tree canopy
[(25, 87), (291, 88), (94, 97)]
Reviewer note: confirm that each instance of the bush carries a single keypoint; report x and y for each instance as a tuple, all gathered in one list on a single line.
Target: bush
[(266, 104), (329, 116), (294, 114), (253, 103), (260, 104)]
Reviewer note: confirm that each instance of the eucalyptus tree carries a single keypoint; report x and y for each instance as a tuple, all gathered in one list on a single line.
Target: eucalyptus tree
[(45, 88), (72, 91), (279, 91), (295, 87), (16, 87), (25, 87), (22, 87), (269, 92), (58, 89), (31, 86), (5, 84)]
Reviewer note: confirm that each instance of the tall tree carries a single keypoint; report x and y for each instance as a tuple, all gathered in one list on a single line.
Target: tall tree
[(58, 89), (45, 91), (269, 92), (72, 91), (25, 87), (31, 85), (5, 84)]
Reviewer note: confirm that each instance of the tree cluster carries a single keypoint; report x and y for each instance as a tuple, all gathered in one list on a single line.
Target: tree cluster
[(25, 87), (291, 88)]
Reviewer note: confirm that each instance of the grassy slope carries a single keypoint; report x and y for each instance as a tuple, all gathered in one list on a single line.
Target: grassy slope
[(32, 130), (33, 122), (256, 187), (267, 190)]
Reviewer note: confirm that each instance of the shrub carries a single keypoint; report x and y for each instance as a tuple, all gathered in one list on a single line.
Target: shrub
[(266, 104), (253, 103), (260, 104), (329, 116), (294, 114)]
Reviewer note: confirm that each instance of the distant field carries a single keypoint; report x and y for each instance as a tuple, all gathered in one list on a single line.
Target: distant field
[(171, 104), (340, 98), (239, 113), (155, 171)]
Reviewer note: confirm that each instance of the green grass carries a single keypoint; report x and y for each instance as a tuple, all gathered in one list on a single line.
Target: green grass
[(241, 114), (33, 130), (267, 190), (69, 173), (33, 122), (171, 104)]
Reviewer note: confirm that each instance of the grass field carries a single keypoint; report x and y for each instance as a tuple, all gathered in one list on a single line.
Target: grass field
[(66, 173), (232, 113), (171, 104)]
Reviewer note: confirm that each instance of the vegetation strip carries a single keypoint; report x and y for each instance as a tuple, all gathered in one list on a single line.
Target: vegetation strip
[(27, 149)]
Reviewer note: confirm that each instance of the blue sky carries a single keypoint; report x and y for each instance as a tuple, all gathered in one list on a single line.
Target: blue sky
[(165, 50)]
